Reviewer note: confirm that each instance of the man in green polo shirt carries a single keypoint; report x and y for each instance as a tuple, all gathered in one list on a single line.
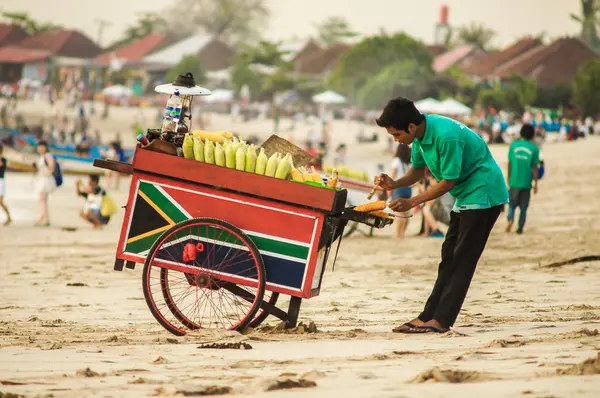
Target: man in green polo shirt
[(462, 164), (523, 162)]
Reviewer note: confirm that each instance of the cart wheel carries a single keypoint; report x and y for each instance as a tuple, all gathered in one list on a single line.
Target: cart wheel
[(203, 273), (261, 315)]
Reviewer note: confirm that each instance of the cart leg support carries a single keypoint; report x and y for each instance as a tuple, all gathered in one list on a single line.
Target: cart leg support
[(293, 312), (130, 264), (119, 264)]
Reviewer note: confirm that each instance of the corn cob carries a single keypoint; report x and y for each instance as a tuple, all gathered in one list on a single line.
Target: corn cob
[(284, 167), (209, 152), (219, 155), (198, 149), (261, 162), (381, 213), (188, 147), (251, 159), (373, 206), (333, 179), (297, 175), (272, 164), (240, 158), (316, 177), (229, 155)]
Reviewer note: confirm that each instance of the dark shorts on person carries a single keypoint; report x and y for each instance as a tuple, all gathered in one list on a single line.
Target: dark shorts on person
[(402, 193), (519, 197)]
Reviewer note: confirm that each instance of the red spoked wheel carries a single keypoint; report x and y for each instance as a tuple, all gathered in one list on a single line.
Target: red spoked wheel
[(204, 273)]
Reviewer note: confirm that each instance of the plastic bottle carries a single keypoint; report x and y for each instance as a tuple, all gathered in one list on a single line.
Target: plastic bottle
[(142, 139), (172, 113)]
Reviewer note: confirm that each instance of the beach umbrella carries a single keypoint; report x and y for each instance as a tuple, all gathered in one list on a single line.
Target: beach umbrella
[(329, 97), (117, 91), (219, 95), (451, 106), (428, 105)]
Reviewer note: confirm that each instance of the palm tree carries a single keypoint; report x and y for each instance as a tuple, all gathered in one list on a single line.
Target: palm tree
[(475, 34), (588, 20)]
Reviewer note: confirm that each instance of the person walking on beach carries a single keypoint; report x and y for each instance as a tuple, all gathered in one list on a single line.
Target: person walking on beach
[(3, 187), (45, 182), (462, 163), (523, 163)]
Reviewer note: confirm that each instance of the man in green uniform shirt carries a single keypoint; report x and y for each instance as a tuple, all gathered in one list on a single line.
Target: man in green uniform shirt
[(523, 162), (462, 164)]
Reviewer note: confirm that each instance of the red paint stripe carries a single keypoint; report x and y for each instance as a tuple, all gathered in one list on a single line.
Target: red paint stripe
[(244, 216)]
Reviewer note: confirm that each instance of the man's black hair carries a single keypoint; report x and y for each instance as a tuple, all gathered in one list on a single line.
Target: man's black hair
[(527, 131), (95, 178), (399, 113)]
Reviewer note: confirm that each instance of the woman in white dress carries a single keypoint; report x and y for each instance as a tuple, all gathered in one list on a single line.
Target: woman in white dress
[(45, 182)]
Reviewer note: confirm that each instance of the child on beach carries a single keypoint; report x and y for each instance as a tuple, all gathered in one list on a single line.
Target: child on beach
[(3, 187), (45, 183), (523, 162), (93, 194)]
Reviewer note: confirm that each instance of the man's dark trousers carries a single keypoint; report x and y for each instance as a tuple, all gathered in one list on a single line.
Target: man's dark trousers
[(465, 240)]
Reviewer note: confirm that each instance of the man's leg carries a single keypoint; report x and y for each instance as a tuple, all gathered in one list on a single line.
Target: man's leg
[(474, 230), (524, 198), (445, 268), (512, 205)]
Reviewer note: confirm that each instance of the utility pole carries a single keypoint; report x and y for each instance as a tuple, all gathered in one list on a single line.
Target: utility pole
[(102, 23)]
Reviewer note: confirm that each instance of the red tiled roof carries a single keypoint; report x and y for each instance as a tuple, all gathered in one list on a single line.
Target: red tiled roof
[(486, 65), (66, 43), (556, 63), (18, 55), (436, 49), (134, 51), (10, 34), (321, 61)]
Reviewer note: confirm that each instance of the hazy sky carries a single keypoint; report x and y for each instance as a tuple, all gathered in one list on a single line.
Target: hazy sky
[(509, 18)]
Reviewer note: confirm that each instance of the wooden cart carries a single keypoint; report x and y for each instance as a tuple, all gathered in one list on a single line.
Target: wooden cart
[(219, 245)]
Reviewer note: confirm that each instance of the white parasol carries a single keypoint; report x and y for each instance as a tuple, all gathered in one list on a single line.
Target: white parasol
[(428, 105), (329, 97), (117, 91), (451, 106)]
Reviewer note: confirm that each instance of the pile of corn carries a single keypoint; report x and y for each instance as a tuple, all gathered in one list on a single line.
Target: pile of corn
[(223, 149)]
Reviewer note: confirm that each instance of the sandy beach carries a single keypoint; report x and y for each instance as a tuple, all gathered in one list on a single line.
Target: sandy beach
[(70, 326)]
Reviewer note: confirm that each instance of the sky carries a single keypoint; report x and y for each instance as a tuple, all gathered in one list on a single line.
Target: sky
[(510, 19)]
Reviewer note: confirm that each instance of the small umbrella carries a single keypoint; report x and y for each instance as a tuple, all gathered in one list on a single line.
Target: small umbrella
[(451, 106), (428, 105), (118, 90), (329, 97)]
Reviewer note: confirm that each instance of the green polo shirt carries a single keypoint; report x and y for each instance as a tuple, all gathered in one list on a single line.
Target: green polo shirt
[(452, 151), (523, 155)]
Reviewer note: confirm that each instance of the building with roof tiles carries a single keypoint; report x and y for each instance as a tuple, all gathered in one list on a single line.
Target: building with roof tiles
[(459, 56), (68, 52), (320, 63), (550, 65), (11, 34)]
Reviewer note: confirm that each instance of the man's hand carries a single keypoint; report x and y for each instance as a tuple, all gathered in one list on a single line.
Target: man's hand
[(401, 205), (384, 181)]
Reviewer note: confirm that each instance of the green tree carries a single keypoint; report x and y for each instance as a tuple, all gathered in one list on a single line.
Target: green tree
[(554, 97), (233, 20), (28, 24), (589, 21), (265, 53), (586, 88), (371, 55), (146, 24), (189, 63), (491, 97), (475, 34), (519, 93), (406, 78), (334, 30)]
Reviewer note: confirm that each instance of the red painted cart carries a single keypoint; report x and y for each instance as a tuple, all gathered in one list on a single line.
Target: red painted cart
[(219, 246)]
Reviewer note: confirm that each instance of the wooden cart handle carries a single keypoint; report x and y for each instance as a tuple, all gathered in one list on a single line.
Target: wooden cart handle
[(113, 165)]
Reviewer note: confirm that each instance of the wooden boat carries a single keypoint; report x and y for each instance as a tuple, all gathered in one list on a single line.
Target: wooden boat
[(21, 161)]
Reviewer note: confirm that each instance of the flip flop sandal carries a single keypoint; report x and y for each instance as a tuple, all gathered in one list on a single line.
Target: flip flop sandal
[(408, 325), (431, 329)]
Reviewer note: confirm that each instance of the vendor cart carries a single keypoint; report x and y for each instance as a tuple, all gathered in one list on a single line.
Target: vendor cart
[(219, 245)]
